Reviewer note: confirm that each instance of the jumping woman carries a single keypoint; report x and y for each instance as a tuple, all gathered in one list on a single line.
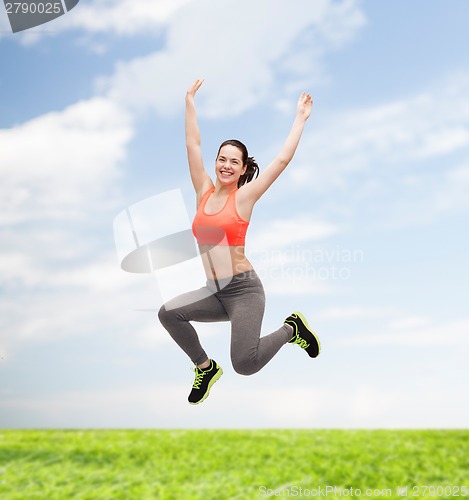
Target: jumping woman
[(233, 291)]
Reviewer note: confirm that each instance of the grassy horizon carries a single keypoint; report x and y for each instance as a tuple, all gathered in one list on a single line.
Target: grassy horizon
[(232, 464)]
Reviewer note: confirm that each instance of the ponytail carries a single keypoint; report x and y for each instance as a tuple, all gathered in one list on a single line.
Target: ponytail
[(252, 170)]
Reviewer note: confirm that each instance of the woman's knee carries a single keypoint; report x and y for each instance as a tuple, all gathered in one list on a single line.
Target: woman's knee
[(244, 365), (165, 315)]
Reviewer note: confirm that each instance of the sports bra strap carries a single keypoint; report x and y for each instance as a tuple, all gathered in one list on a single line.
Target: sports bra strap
[(204, 197)]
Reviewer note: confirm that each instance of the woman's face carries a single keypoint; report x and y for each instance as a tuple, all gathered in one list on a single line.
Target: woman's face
[(229, 165)]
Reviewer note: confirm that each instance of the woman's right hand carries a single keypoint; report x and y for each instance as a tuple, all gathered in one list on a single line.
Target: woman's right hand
[(194, 87)]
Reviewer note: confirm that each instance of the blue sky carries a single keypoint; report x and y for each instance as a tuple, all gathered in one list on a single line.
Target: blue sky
[(364, 232)]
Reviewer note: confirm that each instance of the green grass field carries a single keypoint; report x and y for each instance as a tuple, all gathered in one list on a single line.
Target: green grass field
[(241, 464)]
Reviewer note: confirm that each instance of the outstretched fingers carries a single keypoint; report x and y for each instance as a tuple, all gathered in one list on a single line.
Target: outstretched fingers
[(198, 83), (305, 103), (195, 87)]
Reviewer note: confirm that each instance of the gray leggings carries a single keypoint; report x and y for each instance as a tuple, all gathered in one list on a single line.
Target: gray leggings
[(242, 302)]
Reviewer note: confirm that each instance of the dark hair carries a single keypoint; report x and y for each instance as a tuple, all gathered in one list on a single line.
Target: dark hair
[(252, 167)]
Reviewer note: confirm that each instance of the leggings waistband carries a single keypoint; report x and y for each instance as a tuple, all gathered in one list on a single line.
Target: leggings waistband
[(223, 282)]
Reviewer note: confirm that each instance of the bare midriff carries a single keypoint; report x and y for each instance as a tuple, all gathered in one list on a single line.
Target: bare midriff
[(223, 261)]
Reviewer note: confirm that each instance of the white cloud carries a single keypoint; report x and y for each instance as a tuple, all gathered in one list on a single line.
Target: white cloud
[(296, 281), (66, 309), (270, 237), (400, 135), (59, 283), (415, 331), (354, 312), (15, 266), (451, 194), (334, 24), (237, 46), (52, 166), (165, 406), (363, 406), (101, 408), (59, 176), (125, 18), (122, 17), (409, 323), (403, 163), (459, 174)]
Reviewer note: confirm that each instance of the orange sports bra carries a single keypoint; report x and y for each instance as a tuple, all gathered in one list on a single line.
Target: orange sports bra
[(225, 227)]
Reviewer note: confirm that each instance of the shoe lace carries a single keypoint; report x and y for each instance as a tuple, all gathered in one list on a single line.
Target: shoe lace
[(301, 342), (199, 375)]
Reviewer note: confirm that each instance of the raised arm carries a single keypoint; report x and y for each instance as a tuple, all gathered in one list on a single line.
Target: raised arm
[(256, 188), (200, 179)]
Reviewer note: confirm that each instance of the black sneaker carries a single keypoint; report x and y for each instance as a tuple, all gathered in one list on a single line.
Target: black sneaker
[(204, 379), (303, 335)]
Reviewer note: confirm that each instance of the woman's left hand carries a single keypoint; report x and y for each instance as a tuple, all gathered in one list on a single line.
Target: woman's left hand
[(305, 105)]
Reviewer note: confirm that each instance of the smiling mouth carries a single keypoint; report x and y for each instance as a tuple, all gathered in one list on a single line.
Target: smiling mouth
[(226, 173)]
